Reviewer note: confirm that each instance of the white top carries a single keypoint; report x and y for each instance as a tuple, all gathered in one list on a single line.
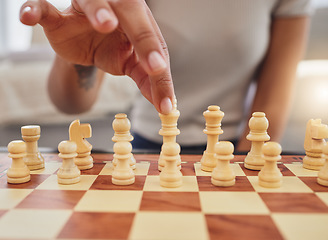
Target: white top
[(215, 48)]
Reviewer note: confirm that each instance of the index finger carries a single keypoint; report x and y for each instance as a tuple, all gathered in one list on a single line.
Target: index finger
[(143, 32)]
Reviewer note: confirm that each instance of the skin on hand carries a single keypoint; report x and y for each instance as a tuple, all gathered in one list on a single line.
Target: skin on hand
[(120, 37)]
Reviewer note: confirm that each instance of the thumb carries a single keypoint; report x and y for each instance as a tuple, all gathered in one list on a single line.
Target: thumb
[(40, 11)]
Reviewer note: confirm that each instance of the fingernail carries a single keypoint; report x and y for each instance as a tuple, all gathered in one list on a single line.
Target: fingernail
[(103, 16), (156, 61), (27, 9), (166, 105)]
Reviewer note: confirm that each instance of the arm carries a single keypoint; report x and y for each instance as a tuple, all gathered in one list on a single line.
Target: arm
[(73, 88), (277, 76)]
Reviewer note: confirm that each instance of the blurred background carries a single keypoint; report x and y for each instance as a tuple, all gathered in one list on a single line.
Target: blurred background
[(26, 58)]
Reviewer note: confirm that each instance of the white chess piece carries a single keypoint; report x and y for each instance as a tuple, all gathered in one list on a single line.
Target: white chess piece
[(323, 173), (213, 116), (18, 172), (222, 174), (68, 173), (315, 135), (170, 176), (33, 158), (121, 126), (123, 173), (258, 125), (270, 175), (77, 133)]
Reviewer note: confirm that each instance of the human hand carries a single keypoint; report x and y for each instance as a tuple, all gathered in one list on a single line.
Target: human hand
[(120, 37)]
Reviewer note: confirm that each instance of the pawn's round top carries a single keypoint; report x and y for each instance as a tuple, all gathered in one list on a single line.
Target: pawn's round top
[(16, 147), (171, 148), (122, 148), (258, 122), (121, 123), (224, 148), (31, 130), (67, 147), (271, 149)]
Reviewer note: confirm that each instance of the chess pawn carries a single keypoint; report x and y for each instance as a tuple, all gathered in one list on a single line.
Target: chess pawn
[(315, 135), (18, 172), (213, 117), (222, 174), (169, 131), (68, 173), (323, 173), (77, 133), (270, 175), (170, 176), (258, 125), (31, 135), (121, 126), (123, 173)]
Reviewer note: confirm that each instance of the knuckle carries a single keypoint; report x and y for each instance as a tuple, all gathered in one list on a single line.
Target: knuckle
[(144, 35)]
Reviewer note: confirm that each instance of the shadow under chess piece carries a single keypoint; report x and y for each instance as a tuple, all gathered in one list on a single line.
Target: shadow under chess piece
[(123, 173), (68, 173), (213, 116), (323, 173), (171, 176), (33, 158), (18, 172), (315, 135), (121, 126), (270, 175), (258, 125), (222, 174), (77, 133)]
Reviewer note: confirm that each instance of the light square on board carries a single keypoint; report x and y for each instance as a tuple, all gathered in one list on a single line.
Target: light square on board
[(36, 180), (298, 169), (51, 183), (189, 184), (141, 169), (10, 198), (289, 184), (298, 226), (34, 223), (323, 196), (109, 201), (169, 225), (232, 203), (49, 168)]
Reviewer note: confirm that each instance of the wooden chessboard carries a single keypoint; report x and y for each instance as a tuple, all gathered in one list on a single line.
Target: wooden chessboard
[(97, 209)]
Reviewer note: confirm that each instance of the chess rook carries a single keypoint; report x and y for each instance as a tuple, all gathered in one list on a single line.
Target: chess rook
[(323, 173), (121, 126), (213, 117), (270, 175), (222, 174), (68, 173), (258, 125), (169, 131), (123, 173), (77, 133), (18, 172), (315, 135), (33, 158), (170, 176)]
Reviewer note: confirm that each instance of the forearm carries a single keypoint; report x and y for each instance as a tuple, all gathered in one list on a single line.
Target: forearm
[(276, 80), (73, 88)]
